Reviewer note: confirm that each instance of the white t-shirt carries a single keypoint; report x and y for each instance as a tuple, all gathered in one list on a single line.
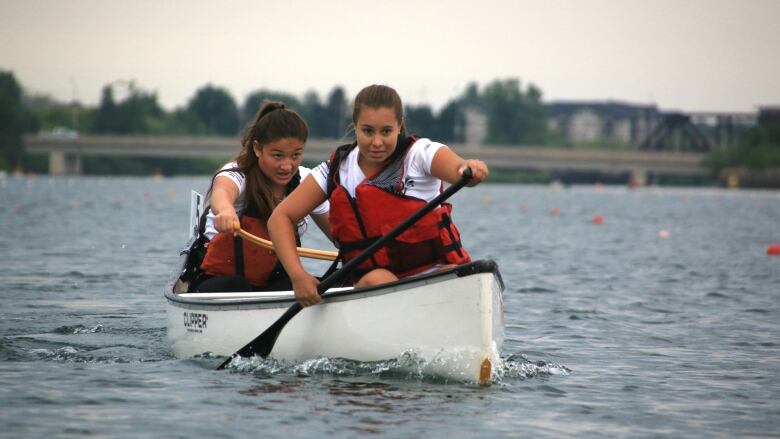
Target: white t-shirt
[(240, 204), (418, 181)]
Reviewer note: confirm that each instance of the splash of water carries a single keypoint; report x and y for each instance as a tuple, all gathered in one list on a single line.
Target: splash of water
[(441, 368), (519, 367)]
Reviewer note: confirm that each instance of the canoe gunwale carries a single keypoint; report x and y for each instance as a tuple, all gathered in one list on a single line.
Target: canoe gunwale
[(472, 268)]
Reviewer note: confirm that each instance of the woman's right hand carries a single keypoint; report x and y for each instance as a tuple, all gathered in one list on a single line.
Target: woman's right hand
[(227, 221), (305, 287)]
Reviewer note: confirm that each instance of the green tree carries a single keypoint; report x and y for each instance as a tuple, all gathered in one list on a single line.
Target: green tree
[(255, 100), (184, 121), (46, 114), (216, 109), (514, 117), (759, 148), (420, 121), (12, 121), (311, 111), (139, 113), (449, 118), (334, 114), (533, 117), (471, 95), (502, 100), (106, 119)]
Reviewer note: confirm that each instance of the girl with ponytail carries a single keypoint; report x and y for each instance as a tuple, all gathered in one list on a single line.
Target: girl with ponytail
[(243, 194)]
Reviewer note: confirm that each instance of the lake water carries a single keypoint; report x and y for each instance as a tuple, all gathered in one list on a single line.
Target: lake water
[(660, 321)]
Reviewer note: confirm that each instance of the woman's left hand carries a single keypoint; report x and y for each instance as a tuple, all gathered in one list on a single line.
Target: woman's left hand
[(479, 171)]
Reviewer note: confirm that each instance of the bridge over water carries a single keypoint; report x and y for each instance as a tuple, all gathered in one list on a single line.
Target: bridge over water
[(65, 153)]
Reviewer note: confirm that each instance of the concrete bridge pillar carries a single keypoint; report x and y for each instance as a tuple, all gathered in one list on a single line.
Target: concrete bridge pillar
[(64, 163), (637, 177)]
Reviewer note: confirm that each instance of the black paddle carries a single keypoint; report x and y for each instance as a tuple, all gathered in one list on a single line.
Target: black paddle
[(264, 343)]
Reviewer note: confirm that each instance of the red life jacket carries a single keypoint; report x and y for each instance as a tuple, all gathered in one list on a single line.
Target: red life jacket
[(379, 205), (227, 255), (251, 261)]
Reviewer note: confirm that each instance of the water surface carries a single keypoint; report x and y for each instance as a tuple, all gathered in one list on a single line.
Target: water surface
[(661, 321)]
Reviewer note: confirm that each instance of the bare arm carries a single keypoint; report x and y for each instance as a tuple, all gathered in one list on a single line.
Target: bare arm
[(323, 223), (223, 197), (281, 226), (449, 167)]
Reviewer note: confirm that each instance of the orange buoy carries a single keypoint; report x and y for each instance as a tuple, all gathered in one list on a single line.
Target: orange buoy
[(598, 219), (773, 250)]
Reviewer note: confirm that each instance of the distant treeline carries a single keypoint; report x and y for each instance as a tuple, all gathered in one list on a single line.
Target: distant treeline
[(758, 149), (514, 116)]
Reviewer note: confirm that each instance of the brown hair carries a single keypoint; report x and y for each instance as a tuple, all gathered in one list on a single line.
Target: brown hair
[(378, 96), (273, 122)]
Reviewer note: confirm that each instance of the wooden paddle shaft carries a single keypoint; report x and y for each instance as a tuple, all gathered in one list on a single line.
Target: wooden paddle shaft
[(305, 252)]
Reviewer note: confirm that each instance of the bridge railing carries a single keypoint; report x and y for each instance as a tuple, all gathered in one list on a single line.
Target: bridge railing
[(65, 153)]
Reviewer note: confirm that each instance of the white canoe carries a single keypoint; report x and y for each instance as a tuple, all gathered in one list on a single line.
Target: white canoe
[(454, 316)]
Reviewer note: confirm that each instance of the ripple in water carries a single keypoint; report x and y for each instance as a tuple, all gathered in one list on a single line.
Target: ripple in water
[(71, 354), (78, 329)]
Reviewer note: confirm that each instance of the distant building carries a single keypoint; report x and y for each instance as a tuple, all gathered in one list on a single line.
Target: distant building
[(769, 116), (592, 121), (475, 126)]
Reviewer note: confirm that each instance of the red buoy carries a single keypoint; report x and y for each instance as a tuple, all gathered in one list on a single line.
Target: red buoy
[(555, 211), (773, 250), (598, 219)]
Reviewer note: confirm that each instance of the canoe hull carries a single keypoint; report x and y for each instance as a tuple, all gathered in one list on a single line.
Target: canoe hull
[(454, 316)]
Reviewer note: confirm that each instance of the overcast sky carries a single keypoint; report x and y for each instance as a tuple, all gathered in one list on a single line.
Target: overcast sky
[(690, 55)]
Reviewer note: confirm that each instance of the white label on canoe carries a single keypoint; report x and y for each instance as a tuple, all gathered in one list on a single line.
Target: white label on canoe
[(196, 208), (195, 321)]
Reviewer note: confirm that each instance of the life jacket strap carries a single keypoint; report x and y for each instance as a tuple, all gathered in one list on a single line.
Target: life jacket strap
[(239, 251), (455, 246)]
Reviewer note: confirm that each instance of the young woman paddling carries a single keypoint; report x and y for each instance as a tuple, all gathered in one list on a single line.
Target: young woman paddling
[(374, 184), (244, 193)]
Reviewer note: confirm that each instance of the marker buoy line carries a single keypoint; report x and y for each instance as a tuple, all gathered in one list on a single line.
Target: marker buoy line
[(773, 250)]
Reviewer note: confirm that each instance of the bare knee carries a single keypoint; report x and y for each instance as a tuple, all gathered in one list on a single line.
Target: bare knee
[(376, 277)]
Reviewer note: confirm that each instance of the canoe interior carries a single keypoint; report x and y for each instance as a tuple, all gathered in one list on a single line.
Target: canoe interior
[(177, 291)]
